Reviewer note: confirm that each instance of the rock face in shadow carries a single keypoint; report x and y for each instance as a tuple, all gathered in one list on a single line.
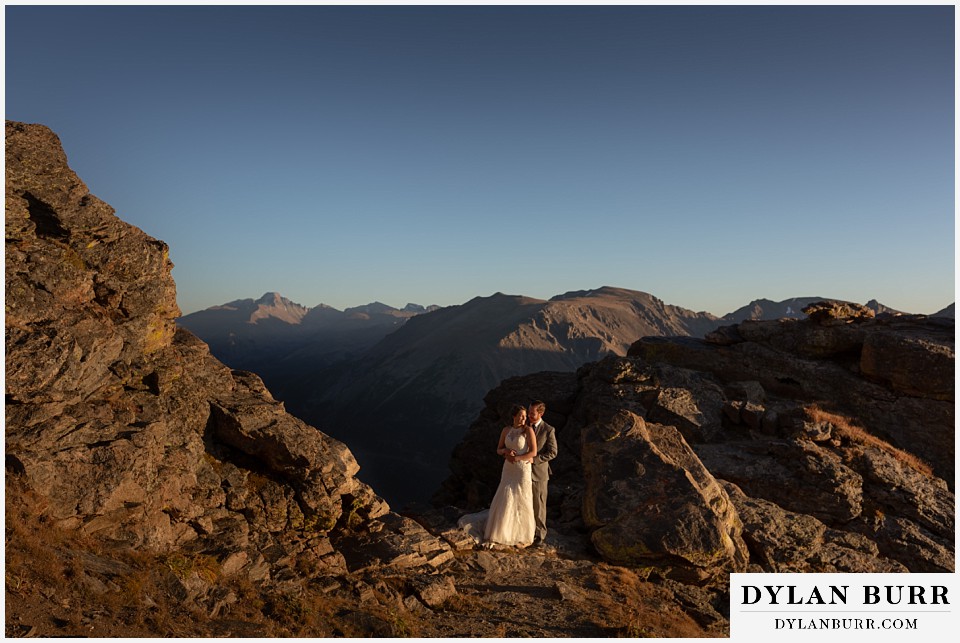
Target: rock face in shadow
[(632, 470), (133, 432), (791, 445)]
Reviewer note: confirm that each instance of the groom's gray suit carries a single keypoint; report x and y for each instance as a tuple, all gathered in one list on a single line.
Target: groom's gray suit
[(546, 451)]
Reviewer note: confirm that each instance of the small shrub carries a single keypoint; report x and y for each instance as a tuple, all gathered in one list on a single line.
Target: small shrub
[(183, 565), (463, 604), (399, 627), (286, 607)]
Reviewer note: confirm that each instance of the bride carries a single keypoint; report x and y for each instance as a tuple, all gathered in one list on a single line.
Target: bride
[(509, 521)]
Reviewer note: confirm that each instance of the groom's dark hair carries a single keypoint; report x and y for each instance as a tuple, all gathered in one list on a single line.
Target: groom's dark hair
[(539, 406)]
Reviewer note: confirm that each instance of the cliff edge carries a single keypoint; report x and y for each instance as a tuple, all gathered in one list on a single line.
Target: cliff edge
[(125, 430)]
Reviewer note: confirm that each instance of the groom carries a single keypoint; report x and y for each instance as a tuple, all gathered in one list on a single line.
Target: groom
[(546, 451)]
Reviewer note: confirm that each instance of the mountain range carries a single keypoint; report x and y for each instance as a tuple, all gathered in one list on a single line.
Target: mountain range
[(254, 334), (414, 378)]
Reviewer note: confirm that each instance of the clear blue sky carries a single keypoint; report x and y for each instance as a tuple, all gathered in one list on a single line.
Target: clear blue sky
[(706, 155)]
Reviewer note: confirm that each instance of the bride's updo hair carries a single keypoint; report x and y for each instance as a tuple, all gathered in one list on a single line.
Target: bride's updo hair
[(516, 408)]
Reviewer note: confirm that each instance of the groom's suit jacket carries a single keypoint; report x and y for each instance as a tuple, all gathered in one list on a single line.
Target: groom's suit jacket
[(546, 451)]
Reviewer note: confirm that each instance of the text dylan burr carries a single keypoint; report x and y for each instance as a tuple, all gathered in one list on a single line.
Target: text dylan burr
[(838, 594)]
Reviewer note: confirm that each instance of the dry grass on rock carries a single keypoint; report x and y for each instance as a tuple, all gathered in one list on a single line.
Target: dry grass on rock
[(631, 607), (63, 582), (848, 430)]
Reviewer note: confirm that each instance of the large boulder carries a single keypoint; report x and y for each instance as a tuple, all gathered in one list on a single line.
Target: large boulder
[(895, 487), (911, 362), (649, 501)]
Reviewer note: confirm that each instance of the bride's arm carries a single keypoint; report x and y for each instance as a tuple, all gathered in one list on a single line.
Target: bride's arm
[(501, 446), (532, 441)]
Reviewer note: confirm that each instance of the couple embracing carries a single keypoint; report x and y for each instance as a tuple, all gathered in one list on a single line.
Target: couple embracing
[(518, 514)]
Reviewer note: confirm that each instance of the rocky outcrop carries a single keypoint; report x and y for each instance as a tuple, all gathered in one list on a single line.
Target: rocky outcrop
[(632, 470), (894, 374), (769, 446), (775, 468), (783, 541), (133, 433)]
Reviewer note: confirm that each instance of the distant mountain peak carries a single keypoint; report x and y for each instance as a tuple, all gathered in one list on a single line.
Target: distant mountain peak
[(604, 291), (274, 305), (274, 299), (373, 308), (498, 301), (880, 309), (417, 308), (271, 305)]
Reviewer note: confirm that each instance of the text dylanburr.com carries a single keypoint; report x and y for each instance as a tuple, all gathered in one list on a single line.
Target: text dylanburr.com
[(848, 607)]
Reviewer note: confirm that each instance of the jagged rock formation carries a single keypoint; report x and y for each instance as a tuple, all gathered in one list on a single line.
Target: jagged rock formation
[(134, 434), (791, 445)]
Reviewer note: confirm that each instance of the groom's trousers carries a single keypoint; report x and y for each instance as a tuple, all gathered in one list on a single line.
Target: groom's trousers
[(540, 508)]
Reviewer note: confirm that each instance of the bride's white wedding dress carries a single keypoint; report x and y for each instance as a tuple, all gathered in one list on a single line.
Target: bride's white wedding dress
[(509, 521)]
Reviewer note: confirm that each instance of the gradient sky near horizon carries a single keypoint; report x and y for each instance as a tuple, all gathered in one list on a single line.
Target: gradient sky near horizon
[(342, 155)]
